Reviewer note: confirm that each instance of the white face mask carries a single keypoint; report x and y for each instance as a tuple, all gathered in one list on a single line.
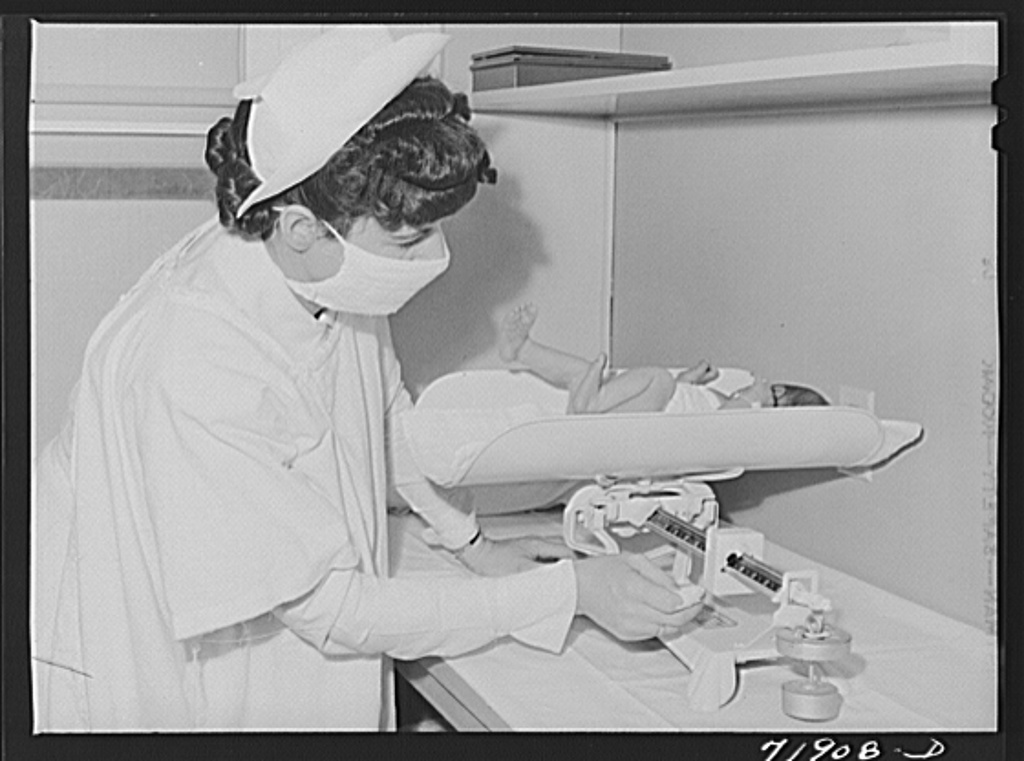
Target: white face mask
[(370, 284)]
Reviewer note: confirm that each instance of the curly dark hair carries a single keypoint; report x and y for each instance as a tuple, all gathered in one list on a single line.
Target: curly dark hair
[(798, 396), (415, 162)]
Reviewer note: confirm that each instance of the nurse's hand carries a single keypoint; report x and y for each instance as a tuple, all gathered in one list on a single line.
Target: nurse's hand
[(490, 557), (631, 597)]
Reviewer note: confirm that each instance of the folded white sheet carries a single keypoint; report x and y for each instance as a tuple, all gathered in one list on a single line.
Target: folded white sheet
[(500, 427)]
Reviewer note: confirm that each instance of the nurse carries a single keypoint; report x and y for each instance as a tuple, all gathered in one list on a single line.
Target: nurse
[(210, 524)]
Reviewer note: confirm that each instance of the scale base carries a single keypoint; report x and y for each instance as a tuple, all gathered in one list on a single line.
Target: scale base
[(810, 700)]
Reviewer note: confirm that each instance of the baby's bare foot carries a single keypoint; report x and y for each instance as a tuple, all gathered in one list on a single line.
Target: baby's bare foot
[(515, 329)]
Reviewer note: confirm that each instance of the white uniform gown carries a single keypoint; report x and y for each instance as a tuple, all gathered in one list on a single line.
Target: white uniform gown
[(210, 525)]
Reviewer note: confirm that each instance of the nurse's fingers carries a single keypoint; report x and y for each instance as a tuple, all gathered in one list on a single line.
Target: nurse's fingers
[(612, 593), (643, 565), (665, 606), (678, 620), (671, 621), (658, 590)]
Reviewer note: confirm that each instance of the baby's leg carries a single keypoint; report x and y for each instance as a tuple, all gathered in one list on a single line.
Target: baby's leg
[(585, 389), (642, 389), (646, 389), (556, 367)]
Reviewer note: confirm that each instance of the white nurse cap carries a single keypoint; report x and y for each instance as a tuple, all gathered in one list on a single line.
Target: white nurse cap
[(321, 95)]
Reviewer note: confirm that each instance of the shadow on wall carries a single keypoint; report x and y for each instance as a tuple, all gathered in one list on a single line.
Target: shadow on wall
[(752, 488), (494, 249)]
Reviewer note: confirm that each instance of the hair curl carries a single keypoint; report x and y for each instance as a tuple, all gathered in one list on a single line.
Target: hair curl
[(415, 162), (794, 395), (228, 158)]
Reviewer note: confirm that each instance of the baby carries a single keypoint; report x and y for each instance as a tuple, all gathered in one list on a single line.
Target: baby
[(642, 389)]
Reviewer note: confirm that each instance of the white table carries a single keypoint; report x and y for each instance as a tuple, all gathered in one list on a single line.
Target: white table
[(910, 670)]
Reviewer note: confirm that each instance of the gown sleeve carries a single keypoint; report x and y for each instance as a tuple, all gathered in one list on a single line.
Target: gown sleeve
[(411, 617), (351, 611), (445, 510), (236, 529)]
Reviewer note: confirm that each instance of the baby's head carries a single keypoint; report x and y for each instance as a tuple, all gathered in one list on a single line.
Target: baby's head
[(791, 395), (762, 393)]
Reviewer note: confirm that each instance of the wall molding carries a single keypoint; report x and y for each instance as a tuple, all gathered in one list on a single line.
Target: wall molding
[(50, 93), (66, 183)]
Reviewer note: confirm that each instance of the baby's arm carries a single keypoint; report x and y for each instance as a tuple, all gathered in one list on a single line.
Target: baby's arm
[(701, 373), (731, 402), (757, 394)]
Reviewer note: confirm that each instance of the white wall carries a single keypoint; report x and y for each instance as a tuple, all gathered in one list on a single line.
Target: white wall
[(839, 250), (84, 256), (541, 234)]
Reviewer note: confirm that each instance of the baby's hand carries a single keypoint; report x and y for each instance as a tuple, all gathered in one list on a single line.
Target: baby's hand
[(702, 372), (757, 394)]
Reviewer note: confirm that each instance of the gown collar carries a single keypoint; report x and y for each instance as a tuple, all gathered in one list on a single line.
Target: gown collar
[(259, 289)]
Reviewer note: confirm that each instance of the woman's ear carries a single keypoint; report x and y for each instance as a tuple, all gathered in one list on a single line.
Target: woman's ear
[(299, 227)]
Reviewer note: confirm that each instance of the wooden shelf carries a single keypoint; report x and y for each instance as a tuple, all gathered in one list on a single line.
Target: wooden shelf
[(956, 71)]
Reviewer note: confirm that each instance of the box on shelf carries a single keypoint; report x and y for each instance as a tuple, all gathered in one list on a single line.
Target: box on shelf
[(520, 66)]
